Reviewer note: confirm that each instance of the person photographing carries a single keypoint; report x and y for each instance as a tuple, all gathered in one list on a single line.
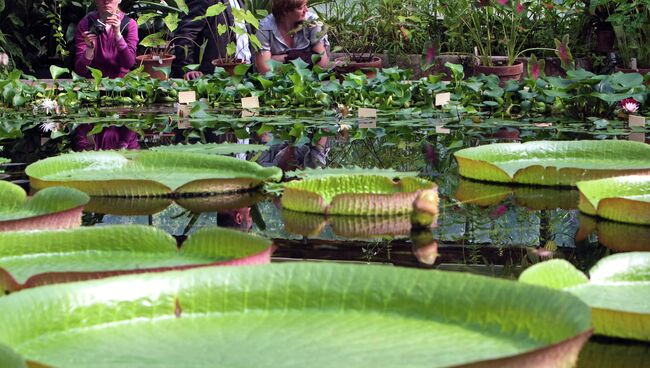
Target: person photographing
[(106, 39)]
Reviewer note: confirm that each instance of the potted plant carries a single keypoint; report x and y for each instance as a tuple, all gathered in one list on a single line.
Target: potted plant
[(355, 35), (631, 23), (244, 22), (497, 27)]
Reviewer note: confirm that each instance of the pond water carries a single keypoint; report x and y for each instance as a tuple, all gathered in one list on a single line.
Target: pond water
[(482, 228)]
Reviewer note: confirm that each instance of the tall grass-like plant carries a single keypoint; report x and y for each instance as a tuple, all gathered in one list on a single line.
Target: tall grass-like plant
[(497, 27), (631, 22)]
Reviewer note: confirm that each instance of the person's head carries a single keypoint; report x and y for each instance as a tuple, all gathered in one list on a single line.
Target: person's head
[(293, 10), (107, 6), (237, 219)]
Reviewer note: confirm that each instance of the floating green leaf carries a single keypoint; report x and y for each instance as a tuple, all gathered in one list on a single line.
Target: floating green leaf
[(356, 195), (338, 315), (355, 170), (146, 173), (213, 148), (553, 163), (51, 208), (617, 292), (29, 259), (624, 199)]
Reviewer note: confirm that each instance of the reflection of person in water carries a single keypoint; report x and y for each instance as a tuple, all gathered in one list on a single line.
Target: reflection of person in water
[(240, 219), (288, 157)]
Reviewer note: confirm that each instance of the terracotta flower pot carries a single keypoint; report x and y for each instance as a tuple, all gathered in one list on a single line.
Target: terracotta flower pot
[(228, 64), (348, 64), (504, 72), (150, 62)]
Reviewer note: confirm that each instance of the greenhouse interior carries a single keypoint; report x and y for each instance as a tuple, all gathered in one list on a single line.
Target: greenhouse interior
[(324, 183)]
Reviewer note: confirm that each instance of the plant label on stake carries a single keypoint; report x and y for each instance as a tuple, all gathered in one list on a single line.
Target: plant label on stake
[(248, 103), (367, 118), (441, 130), (186, 97), (637, 137), (183, 113), (442, 98), (636, 121)]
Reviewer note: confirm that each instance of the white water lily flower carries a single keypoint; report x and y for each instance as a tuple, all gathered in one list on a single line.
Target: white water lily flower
[(49, 105), (49, 126)]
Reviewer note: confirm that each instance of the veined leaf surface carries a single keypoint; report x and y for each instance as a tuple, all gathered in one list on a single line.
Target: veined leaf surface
[(289, 315), (146, 173), (48, 209), (553, 162), (30, 259), (623, 198), (212, 148), (356, 195), (618, 291)]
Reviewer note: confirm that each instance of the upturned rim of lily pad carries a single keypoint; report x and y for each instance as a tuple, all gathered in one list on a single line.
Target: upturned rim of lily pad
[(213, 246), (553, 163), (623, 198), (149, 173), (52, 208), (358, 195)]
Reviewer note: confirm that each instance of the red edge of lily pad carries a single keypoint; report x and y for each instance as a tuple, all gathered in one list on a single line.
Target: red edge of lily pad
[(561, 354), (10, 284), (58, 220)]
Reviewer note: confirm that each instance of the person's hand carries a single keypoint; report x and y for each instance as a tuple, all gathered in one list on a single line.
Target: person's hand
[(192, 74), (90, 39), (113, 21)]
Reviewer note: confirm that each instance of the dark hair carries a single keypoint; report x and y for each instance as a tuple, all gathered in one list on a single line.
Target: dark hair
[(281, 7)]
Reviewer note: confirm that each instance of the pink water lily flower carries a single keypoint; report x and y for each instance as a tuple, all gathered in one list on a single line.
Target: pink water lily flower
[(629, 105)]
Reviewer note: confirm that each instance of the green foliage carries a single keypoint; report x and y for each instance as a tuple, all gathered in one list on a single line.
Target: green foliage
[(206, 311)]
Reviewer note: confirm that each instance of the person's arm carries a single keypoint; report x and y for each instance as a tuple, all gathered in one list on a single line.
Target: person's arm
[(83, 54), (127, 47), (186, 34), (324, 58)]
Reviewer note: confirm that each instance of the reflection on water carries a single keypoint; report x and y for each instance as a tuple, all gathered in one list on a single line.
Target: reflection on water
[(602, 352)]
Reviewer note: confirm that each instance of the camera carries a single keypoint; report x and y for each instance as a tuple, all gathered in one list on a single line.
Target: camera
[(98, 27)]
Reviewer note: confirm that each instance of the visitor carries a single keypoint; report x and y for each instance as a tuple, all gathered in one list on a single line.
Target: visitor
[(190, 34), (290, 32), (105, 39)]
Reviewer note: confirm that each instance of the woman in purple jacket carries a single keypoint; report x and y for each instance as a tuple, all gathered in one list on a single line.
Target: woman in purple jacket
[(104, 42), (107, 41)]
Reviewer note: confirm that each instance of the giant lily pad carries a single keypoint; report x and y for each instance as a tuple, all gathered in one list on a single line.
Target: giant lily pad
[(309, 224), (319, 172), (553, 163), (618, 292), (53, 208), (536, 198), (617, 236), (213, 148), (148, 206), (357, 195), (145, 173), (30, 259), (292, 315), (623, 199)]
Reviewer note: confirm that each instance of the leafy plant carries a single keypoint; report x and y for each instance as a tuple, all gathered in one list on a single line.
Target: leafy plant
[(631, 23), (220, 306), (617, 291)]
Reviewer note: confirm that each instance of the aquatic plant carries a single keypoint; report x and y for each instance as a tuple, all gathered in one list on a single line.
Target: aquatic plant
[(617, 291), (29, 259), (356, 195), (143, 173), (51, 208), (248, 316), (623, 198), (553, 162)]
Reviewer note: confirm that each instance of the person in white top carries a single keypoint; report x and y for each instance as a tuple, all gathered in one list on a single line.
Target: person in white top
[(190, 34)]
